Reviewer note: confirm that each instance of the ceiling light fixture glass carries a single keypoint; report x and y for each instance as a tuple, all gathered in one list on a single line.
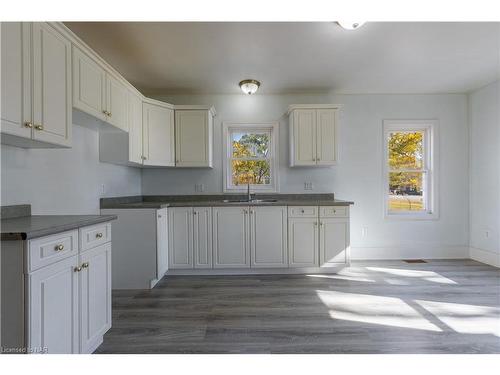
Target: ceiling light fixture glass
[(350, 25), (249, 86)]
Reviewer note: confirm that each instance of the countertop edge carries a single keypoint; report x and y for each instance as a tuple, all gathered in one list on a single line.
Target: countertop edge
[(159, 205), (22, 236)]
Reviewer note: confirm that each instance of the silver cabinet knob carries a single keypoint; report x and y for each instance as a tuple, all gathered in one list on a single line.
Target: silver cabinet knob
[(85, 265), (98, 235), (59, 247)]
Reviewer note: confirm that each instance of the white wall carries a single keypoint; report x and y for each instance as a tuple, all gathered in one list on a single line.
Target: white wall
[(64, 181), (484, 112), (358, 176)]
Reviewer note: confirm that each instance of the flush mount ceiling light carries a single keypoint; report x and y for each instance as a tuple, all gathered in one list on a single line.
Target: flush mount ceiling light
[(249, 86), (350, 25)]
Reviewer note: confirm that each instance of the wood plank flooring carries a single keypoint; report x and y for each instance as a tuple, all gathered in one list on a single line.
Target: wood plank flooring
[(448, 306)]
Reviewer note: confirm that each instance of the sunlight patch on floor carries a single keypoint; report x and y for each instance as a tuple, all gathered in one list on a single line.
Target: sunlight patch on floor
[(365, 308), (463, 318), (423, 275), (341, 277)]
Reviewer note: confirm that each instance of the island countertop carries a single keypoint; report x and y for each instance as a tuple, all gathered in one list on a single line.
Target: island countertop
[(27, 227)]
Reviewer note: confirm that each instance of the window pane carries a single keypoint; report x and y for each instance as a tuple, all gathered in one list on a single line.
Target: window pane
[(405, 191), (255, 172), (250, 144), (406, 150)]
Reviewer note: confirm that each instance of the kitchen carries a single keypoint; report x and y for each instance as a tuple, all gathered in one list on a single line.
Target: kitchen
[(255, 211)]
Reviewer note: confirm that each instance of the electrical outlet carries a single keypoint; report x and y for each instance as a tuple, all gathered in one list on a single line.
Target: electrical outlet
[(103, 189), (364, 231), (199, 188), (308, 185), (487, 233)]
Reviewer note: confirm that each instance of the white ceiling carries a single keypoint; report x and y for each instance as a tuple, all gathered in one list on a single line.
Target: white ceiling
[(380, 57)]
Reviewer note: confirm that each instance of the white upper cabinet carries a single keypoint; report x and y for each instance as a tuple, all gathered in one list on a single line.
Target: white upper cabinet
[(97, 92), (158, 134), (15, 54), (89, 85), (52, 114), (135, 128), (36, 86), (193, 136), (116, 103), (313, 135)]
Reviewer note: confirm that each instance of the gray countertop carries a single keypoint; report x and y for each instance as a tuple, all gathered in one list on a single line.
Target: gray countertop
[(214, 200), (26, 227)]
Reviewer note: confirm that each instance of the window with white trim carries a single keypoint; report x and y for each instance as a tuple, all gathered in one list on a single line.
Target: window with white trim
[(250, 157), (409, 169)]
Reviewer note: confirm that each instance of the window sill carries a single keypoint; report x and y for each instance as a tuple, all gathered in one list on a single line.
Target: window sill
[(410, 217)]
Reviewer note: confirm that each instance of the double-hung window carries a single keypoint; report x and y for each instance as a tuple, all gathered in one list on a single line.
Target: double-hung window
[(250, 157), (410, 169)]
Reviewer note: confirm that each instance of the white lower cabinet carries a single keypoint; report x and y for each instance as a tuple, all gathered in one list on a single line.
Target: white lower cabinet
[(180, 237), (95, 296), (303, 242), (231, 237), (161, 242), (190, 237), (268, 237), (258, 237), (53, 313), (333, 241), (68, 299), (202, 237)]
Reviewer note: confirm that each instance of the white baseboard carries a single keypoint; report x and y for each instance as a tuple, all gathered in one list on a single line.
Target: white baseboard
[(409, 252), (485, 256)]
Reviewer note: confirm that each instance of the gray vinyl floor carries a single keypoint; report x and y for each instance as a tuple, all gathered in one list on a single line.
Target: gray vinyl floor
[(450, 306)]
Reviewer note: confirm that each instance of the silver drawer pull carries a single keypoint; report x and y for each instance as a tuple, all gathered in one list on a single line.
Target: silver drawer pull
[(59, 247), (302, 211), (98, 235)]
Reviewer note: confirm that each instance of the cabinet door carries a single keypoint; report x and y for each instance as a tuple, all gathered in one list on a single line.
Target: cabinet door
[(95, 298), (15, 81), (333, 241), (268, 237), (325, 129), (202, 237), (117, 102), (53, 308), (52, 101), (303, 242), (231, 245), (134, 128), (304, 134), (89, 80), (180, 237), (158, 134), (161, 242), (192, 138)]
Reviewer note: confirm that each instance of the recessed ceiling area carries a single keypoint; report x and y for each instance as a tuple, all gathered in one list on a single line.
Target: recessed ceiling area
[(380, 57)]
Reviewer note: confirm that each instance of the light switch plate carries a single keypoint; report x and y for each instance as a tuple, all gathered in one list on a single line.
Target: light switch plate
[(199, 188), (308, 185)]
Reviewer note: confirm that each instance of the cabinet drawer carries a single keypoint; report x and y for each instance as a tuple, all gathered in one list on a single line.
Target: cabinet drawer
[(94, 235), (303, 211), (334, 211), (51, 249)]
